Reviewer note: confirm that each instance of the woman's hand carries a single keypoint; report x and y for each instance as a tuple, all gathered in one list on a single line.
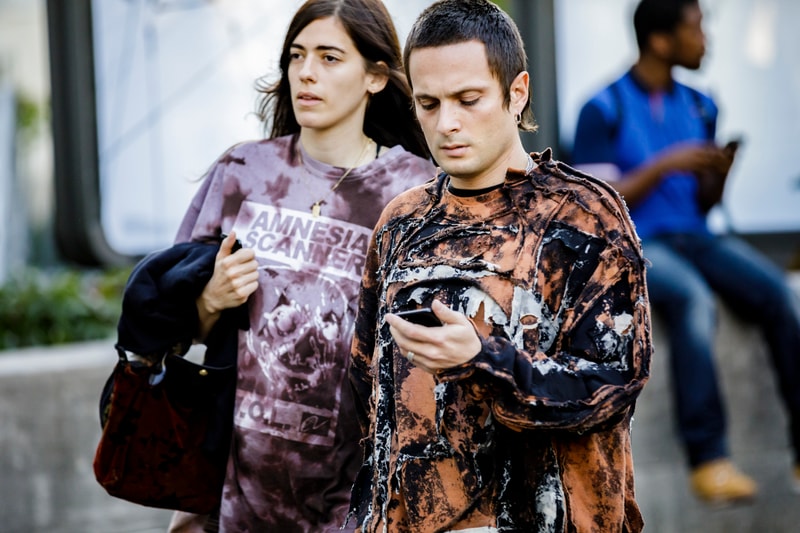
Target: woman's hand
[(234, 279)]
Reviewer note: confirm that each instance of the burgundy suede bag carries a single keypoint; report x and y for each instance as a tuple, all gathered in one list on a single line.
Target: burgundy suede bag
[(166, 433)]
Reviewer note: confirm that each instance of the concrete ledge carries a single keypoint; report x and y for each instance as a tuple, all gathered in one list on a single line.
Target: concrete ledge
[(50, 429), (758, 437), (67, 357)]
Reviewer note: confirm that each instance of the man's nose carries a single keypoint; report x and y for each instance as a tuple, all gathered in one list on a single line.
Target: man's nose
[(449, 118)]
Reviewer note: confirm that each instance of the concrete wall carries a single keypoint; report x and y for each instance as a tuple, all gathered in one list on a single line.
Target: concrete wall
[(49, 429)]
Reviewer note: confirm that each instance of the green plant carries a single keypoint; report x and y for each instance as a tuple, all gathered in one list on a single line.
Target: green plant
[(42, 308), (31, 116)]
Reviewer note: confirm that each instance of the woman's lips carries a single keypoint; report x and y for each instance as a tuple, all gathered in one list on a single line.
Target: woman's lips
[(308, 99)]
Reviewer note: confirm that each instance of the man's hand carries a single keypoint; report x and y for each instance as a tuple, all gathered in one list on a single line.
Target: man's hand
[(709, 163), (697, 159), (435, 349), (700, 159), (234, 279)]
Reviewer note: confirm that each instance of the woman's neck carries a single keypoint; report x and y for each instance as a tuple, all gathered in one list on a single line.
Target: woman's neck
[(340, 153), (343, 145)]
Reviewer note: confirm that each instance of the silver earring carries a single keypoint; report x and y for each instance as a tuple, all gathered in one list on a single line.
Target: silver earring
[(518, 118)]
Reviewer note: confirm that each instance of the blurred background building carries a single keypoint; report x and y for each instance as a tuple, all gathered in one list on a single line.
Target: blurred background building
[(111, 110), (146, 93)]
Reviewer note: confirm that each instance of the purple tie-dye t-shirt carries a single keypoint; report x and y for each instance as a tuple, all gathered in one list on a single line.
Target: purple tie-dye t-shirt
[(296, 447)]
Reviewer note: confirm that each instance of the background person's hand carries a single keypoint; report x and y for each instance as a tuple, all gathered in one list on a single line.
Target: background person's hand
[(697, 159), (437, 348)]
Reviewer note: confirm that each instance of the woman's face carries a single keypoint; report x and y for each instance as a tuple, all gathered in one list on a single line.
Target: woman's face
[(328, 79)]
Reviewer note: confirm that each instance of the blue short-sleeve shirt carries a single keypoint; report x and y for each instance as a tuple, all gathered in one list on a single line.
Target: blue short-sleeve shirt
[(626, 125)]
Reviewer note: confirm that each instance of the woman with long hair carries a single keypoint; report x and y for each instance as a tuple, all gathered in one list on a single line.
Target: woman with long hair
[(303, 203)]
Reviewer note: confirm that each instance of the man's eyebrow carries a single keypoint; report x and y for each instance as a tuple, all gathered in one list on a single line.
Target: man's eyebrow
[(452, 94)]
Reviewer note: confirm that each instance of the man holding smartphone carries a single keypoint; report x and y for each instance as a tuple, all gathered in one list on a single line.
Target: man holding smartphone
[(514, 414), (652, 138)]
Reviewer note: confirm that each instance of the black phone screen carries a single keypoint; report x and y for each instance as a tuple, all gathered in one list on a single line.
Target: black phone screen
[(423, 316)]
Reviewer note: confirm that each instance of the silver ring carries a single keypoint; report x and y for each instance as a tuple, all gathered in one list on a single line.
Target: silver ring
[(410, 356)]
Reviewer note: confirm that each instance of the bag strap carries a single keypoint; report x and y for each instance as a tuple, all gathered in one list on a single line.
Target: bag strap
[(702, 112), (616, 97)]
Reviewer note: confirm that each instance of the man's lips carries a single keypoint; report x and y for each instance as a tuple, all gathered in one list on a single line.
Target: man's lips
[(453, 150)]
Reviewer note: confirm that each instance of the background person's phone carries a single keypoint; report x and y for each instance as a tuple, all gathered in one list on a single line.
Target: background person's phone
[(423, 316), (734, 144)]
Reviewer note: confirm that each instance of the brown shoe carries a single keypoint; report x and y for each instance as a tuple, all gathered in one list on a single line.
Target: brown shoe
[(796, 479), (720, 483)]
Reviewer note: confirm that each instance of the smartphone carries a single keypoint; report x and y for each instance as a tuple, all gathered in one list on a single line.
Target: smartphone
[(734, 144), (423, 316), (237, 244)]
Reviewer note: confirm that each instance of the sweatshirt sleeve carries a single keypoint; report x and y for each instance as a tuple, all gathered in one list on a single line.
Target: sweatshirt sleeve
[(363, 345), (586, 359)]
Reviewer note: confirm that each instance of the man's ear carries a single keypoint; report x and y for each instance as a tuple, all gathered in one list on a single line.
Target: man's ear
[(519, 92), (377, 77), (660, 44)]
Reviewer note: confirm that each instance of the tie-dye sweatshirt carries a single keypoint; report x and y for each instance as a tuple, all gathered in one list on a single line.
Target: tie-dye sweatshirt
[(533, 433)]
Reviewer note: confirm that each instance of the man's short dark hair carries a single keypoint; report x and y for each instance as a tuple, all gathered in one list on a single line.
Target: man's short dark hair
[(658, 16), (456, 21)]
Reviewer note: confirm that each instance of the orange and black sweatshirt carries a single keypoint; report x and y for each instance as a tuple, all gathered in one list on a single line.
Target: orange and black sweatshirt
[(533, 433)]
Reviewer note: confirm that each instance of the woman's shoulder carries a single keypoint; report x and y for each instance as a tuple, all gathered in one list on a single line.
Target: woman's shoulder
[(277, 145), (397, 154), (253, 154)]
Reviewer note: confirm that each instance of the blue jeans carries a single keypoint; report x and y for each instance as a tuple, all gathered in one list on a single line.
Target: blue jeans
[(685, 273)]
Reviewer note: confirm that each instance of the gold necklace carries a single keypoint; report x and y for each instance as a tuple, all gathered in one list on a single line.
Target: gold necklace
[(316, 207)]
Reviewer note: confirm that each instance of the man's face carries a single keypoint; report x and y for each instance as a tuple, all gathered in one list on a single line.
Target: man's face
[(689, 40), (459, 104)]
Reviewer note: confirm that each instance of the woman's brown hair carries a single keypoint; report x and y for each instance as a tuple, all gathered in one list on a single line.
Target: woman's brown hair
[(389, 118)]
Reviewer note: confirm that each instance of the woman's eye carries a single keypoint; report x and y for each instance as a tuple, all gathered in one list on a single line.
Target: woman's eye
[(469, 102), (426, 105), (330, 59)]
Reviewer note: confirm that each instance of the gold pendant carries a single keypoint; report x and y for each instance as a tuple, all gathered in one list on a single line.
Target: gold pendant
[(315, 209)]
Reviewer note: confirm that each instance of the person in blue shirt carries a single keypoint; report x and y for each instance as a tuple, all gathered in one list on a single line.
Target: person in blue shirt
[(653, 139)]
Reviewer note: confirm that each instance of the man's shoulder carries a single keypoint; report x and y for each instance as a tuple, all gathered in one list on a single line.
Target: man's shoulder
[(414, 198), (594, 193), (701, 100), (411, 202), (606, 99), (588, 204), (694, 91)]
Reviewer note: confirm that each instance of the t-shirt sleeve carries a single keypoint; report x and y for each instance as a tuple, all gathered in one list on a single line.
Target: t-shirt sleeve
[(203, 218)]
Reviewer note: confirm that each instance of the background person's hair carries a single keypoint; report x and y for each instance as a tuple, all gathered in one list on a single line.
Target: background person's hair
[(457, 21), (389, 118), (657, 16)]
